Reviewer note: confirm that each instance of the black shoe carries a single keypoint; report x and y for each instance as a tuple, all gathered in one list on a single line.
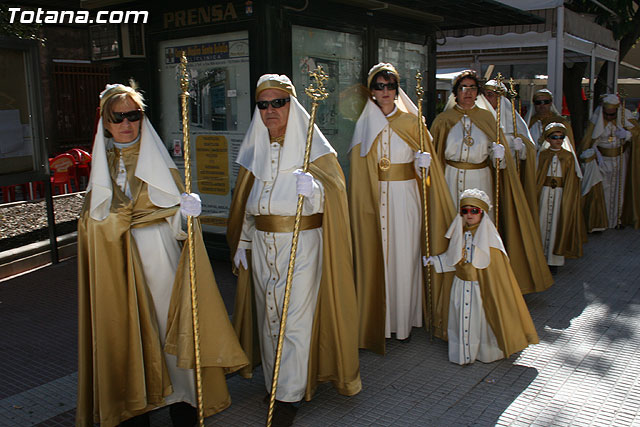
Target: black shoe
[(553, 269), (183, 415), (284, 413), (141, 420), (406, 340)]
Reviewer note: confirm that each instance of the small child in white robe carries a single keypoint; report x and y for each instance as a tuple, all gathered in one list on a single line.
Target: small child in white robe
[(487, 316)]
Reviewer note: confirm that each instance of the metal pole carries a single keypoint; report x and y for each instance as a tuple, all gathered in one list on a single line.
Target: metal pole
[(184, 98), (425, 202), (316, 96)]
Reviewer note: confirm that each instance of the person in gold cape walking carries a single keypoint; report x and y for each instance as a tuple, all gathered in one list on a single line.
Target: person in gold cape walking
[(135, 340), (464, 137), (386, 213), (320, 338)]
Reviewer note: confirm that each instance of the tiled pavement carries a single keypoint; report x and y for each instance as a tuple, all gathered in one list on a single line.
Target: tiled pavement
[(583, 372)]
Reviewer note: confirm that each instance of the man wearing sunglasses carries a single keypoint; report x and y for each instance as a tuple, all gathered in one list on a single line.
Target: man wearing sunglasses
[(322, 314), (464, 137), (543, 113), (614, 143)]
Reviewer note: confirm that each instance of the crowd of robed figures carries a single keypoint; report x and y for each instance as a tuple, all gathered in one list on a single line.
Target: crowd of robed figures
[(445, 228)]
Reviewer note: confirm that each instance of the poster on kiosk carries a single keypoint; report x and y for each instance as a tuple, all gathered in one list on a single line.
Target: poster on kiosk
[(219, 108)]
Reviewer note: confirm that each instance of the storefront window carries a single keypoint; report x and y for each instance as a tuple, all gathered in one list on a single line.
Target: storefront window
[(220, 114), (408, 58), (16, 126), (340, 55)]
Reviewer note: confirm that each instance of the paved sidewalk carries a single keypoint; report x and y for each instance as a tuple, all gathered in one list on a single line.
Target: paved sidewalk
[(583, 372)]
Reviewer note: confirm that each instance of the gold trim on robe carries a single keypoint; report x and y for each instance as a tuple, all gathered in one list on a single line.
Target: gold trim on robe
[(334, 351), (367, 238), (518, 228)]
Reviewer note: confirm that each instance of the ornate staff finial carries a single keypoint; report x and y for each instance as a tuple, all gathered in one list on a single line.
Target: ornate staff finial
[(318, 93), (512, 89), (419, 88)]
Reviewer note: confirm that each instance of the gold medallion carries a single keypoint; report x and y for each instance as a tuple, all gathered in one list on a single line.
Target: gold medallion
[(554, 183), (611, 139), (468, 140), (385, 164)]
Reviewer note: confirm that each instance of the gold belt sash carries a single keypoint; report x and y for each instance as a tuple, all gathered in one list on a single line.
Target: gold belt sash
[(589, 159), (553, 181), (397, 172), (465, 165), (284, 224), (612, 152), (466, 271)]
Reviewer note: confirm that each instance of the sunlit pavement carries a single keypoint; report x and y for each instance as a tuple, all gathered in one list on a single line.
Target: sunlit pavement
[(585, 371)]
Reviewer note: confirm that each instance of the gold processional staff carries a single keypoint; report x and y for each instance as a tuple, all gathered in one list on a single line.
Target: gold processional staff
[(620, 177), (513, 95), (425, 202), (499, 93), (316, 94), (184, 98)]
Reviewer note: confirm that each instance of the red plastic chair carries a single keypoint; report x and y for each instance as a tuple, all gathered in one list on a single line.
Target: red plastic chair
[(9, 192), (63, 171), (82, 165)]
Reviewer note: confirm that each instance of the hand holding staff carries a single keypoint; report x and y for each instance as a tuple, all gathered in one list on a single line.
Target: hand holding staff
[(316, 96), (425, 202), (184, 97)]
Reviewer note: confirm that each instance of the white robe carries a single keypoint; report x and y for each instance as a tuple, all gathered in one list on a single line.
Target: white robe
[(610, 169), (456, 150), (270, 260), (470, 335), (160, 254), (550, 206), (400, 222)]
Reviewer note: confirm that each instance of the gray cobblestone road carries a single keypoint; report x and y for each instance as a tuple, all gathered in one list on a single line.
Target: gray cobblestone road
[(584, 372)]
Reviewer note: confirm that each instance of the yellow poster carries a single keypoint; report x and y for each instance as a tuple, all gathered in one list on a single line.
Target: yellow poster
[(212, 164)]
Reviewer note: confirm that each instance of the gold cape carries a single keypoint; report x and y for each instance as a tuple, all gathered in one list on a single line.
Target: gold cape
[(553, 118), (571, 229), (518, 228), (504, 306), (528, 171), (367, 238), (121, 368), (334, 340)]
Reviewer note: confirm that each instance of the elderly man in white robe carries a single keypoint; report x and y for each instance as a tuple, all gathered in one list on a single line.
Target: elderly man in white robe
[(261, 230)]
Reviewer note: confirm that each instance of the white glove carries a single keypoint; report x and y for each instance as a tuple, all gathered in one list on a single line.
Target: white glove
[(304, 183), (587, 153), (623, 133), (240, 258), (190, 204), (430, 260), (599, 157), (498, 151), (518, 144), (422, 160)]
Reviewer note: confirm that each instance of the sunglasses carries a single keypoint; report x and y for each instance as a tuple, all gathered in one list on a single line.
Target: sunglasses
[(472, 211), (542, 101), (275, 103), (556, 137), (381, 86), (469, 88), (614, 114), (132, 116)]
